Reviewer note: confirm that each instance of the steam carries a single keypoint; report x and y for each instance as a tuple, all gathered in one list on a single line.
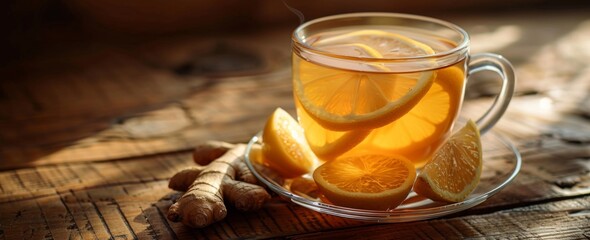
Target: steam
[(298, 13)]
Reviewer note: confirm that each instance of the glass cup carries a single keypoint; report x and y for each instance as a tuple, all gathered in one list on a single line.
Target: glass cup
[(386, 83)]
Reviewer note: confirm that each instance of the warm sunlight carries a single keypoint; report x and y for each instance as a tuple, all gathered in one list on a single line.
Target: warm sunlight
[(130, 119), (495, 39)]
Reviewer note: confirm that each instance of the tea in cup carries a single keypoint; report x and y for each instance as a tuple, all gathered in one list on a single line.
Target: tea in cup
[(386, 83)]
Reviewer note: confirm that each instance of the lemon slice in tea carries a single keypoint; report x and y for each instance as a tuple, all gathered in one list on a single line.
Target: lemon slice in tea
[(419, 132), (343, 100)]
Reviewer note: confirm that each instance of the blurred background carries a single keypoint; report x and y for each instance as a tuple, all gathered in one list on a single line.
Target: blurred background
[(31, 26)]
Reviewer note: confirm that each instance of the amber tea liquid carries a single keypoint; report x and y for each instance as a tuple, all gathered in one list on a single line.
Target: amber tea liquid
[(363, 101)]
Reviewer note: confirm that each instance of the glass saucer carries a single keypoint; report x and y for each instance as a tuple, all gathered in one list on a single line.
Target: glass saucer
[(502, 162)]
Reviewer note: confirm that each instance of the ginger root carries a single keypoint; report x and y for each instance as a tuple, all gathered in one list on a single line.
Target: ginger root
[(225, 177)]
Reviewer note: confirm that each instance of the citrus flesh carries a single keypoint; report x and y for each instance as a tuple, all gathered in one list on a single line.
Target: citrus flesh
[(368, 181), (328, 144), (415, 134), (454, 170), (284, 147), (387, 44), (418, 133), (343, 100)]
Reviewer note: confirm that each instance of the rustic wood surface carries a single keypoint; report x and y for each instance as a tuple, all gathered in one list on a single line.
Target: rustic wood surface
[(91, 132)]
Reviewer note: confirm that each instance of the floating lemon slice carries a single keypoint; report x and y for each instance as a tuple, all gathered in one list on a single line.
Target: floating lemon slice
[(418, 133), (343, 100), (327, 144), (392, 44), (354, 49)]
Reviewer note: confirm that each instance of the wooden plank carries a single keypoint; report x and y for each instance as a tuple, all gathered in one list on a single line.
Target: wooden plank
[(24, 220), (32, 180), (52, 179), (538, 181), (111, 105), (59, 218), (88, 176), (168, 165), (560, 219), (10, 182), (157, 224), (126, 195), (116, 76), (120, 210), (114, 220), (94, 220), (138, 222), (84, 221)]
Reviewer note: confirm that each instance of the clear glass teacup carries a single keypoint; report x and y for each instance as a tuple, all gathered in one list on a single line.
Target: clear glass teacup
[(386, 83)]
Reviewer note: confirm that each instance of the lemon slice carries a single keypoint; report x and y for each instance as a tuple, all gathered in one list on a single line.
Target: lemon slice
[(343, 100), (354, 49), (392, 44), (327, 144), (455, 169), (284, 147), (378, 182), (418, 133)]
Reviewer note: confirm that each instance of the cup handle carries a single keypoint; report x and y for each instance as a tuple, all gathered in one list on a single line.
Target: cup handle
[(501, 66)]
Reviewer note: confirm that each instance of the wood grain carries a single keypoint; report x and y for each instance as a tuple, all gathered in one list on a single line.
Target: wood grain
[(91, 133)]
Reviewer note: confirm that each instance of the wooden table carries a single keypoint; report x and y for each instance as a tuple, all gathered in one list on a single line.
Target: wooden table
[(91, 131)]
